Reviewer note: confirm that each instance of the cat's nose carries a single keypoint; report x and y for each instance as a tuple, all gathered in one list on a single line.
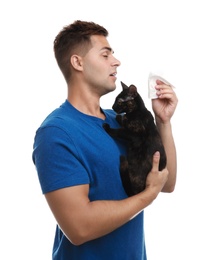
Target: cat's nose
[(114, 107)]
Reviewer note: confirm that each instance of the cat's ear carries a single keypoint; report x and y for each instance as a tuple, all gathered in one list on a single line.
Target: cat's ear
[(124, 86), (132, 89), (76, 62)]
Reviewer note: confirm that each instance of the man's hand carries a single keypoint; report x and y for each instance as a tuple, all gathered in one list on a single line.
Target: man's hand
[(165, 105), (156, 179)]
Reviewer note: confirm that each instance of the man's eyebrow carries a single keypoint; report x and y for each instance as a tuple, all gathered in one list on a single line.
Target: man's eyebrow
[(108, 48)]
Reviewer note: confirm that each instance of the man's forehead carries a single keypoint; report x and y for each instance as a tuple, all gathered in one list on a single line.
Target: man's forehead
[(101, 43), (108, 49)]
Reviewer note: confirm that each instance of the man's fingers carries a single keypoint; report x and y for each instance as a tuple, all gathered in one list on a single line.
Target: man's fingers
[(156, 159)]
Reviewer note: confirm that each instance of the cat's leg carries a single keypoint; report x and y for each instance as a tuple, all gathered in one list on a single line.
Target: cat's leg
[(163, 158), (106, 127), (154, 143), (115, 132), (109, 130)]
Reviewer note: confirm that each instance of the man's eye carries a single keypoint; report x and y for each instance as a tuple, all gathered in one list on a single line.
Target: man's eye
[(106, 56)]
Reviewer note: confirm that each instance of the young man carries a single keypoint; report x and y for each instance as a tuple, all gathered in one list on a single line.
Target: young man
[(78, 162)]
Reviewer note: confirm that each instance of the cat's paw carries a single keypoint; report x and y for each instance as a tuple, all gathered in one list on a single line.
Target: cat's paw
[(106, 126)]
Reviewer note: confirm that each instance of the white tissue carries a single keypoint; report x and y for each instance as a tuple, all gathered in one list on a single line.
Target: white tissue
[(152, 83)]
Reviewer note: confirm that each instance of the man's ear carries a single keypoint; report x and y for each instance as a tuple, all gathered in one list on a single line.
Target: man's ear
[(76, 62)]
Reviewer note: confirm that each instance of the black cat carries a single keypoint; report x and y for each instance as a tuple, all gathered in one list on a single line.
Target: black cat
[(138, 129)]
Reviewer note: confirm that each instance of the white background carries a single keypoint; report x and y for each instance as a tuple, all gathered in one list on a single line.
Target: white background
[(146, 36)]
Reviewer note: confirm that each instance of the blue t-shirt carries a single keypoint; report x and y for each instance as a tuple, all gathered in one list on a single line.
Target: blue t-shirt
[(72, 148)]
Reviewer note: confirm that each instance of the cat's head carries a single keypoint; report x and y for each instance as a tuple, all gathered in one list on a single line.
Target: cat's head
[(125, 102)]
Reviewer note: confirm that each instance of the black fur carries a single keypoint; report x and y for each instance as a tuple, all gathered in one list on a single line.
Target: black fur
[(138, 129)]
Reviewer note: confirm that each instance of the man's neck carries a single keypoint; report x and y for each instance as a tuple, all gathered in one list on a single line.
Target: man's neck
[(86, 103)]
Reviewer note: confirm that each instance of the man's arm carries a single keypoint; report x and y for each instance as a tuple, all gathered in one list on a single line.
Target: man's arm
[(169, 145), (164, 108), (82, 220)]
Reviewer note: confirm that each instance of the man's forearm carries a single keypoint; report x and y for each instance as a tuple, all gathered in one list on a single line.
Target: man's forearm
[(165, 131)]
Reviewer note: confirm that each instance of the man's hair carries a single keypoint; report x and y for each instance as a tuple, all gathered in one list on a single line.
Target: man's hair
[(74, 39)]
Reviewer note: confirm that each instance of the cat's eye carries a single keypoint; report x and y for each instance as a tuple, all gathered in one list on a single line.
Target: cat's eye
[(120, 101)]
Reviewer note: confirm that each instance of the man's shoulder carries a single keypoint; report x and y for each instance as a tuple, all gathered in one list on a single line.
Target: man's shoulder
[(58, 116)]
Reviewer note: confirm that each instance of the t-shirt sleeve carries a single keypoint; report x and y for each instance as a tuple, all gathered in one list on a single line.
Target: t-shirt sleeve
[(57, 160)]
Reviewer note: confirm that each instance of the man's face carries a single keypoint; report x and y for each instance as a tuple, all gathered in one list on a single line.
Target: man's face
[(100, 66)]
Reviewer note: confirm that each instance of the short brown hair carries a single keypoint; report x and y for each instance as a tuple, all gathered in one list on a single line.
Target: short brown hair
[(74, 37)]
